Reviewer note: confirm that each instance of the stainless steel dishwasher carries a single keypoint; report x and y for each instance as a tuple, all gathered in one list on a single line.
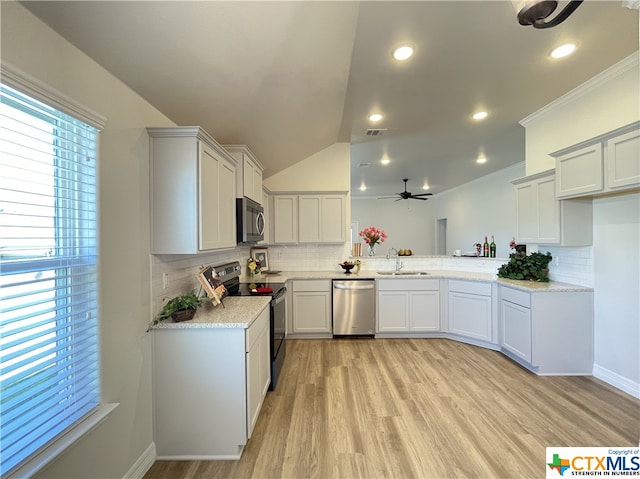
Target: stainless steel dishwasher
[(354, 307)]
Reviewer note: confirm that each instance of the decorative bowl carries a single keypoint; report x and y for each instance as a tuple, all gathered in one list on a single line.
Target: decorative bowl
[(347, 267)]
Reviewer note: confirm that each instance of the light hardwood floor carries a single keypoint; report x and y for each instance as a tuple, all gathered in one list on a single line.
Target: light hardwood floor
[(417, 408)]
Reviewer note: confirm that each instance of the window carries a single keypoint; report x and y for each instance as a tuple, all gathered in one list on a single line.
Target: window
[(49, 356)]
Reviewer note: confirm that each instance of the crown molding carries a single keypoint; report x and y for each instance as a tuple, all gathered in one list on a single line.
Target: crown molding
[(587, 87)]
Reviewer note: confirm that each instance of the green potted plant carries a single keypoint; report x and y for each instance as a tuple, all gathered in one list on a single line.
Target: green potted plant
[(533, 267), (181, 308)]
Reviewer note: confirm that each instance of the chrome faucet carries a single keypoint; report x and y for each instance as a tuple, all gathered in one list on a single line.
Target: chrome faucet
[(398, 265)]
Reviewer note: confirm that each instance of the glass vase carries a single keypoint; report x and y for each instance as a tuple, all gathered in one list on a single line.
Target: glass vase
[(372, 252)]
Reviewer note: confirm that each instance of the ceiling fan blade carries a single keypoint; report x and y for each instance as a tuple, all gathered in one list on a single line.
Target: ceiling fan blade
[(385, 197), (423, 194), (416, 198)]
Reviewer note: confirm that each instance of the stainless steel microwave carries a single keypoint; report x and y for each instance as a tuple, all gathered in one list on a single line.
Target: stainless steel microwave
[(249, 221)]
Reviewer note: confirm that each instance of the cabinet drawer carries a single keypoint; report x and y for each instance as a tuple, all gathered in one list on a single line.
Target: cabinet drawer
[(515, 296), (312, 285), (255, 330), (471, 287), (408, 284)]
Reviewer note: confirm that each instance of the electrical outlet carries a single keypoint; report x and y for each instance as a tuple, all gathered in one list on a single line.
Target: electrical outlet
[(165, 280)]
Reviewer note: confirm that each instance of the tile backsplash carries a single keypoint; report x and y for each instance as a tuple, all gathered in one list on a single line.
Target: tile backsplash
[(570, 265)]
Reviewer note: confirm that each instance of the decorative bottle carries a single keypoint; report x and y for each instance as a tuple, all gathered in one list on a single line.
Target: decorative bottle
[(485, 248), (492, 248)]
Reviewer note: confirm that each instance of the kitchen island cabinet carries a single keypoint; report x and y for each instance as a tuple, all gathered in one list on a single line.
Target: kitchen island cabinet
[(210, 384), (548, 333), (408, 306), (193, 192)]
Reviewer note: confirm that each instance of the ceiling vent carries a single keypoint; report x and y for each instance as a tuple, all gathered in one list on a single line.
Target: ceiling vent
[(376, 132), (364, 165)]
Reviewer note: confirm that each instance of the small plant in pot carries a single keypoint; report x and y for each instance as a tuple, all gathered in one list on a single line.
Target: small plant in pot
[(533, 267), (181, 308)]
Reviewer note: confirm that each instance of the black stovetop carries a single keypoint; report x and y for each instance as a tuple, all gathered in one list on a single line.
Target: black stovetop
[(253, 289)]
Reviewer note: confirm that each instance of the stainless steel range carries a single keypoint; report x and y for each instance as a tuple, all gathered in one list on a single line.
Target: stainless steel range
[(229, 274)]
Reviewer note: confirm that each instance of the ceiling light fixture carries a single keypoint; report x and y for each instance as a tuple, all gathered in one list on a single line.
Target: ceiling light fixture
[(375, 117), (403, 52), (481, 159), (385, 161), (563, 50), (534, 12), (363, 187), (480, 115)]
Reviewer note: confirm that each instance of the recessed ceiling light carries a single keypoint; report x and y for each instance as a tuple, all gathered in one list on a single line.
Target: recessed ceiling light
[(480, 115), (425, 186), (385, 161), (363, 187), (403, 52), (563, 50), (375, 117), (481, 159)]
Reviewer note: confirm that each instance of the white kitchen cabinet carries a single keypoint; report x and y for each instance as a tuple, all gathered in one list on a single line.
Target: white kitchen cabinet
[(285, 219), (309, 218), (470, 310), (408, 306), (192, 192), (322, 218), (209, 387), (605, 164), (311, 308), (543, 219), (548, 332), (249, 178)]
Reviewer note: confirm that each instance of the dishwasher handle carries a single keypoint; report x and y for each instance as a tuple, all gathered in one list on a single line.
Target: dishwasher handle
[(351, 287)]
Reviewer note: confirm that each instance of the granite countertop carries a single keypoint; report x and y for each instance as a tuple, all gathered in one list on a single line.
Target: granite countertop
[(529, 286), (238, 312)]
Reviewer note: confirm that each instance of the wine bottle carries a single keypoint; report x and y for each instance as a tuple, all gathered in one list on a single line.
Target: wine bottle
[(492, 248), (485, 247)]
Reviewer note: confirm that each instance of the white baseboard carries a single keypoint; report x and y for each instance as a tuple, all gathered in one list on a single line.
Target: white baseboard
[(143, 464), (617, 381)]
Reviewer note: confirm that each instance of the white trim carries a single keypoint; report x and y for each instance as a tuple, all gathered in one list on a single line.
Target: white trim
[(33, 87), (45, 456), (587, 87), (143, 464), (617, 381)]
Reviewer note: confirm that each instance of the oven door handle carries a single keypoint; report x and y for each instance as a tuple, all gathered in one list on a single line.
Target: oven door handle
[(280, 297)]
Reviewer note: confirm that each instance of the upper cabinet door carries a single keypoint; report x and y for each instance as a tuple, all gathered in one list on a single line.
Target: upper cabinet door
[(623, 160), (580, 172)]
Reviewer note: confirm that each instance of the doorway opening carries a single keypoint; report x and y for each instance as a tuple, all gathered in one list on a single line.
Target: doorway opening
[(441, 236)]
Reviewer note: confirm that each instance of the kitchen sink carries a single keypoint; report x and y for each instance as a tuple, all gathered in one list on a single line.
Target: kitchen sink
[(403, 273)]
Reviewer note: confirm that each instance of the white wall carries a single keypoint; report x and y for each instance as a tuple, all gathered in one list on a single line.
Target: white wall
[(480, 208), (115, 445), (616, 246), (608, 101)]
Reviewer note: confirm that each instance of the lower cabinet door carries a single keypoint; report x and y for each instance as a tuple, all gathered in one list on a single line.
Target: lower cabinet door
[(515, 335), (311, 312), (470, 315), (425, 311), (393, 311)]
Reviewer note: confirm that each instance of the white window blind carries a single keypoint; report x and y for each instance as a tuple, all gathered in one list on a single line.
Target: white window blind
[(49, 357)]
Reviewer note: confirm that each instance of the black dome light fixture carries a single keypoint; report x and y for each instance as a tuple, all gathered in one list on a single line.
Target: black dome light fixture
[(534, 12)]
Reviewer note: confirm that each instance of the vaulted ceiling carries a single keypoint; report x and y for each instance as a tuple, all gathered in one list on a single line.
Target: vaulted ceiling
[(292, 78)]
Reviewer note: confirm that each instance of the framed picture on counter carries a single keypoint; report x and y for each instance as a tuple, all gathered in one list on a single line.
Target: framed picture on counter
[(260, 255)]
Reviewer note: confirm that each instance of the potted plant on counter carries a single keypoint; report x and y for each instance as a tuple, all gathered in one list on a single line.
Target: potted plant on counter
[(181, 308), (533, 267)]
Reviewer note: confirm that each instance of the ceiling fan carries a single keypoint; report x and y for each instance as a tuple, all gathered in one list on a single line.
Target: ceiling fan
[(405, 195)]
